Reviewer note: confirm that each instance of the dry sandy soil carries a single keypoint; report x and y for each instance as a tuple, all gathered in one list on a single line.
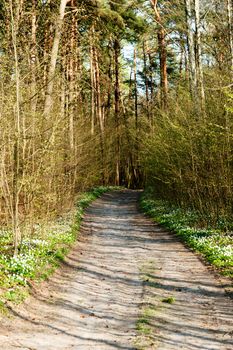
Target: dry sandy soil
[(114, 281)]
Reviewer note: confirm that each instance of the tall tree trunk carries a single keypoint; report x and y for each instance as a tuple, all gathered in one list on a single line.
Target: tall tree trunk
[(191, 49), (34, 98), (182, 55), (146, 80), (117, 108), (130, 174), (162, 54), (53, 59), (151, 78), (200, 78), (16, 153), (33, 59), (110, 78), (136, 168), (93, 88), (135, 90), (97, 109), (230, 25), (72, 70), (98, 91)]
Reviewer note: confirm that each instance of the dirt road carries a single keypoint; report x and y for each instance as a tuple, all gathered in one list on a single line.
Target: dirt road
[(126, 273)]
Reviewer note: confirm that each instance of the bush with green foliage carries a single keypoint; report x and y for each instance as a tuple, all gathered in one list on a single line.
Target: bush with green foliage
[(188, 156)]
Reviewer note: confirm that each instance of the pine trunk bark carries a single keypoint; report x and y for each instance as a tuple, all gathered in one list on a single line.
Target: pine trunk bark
[(117, 108), (146, 80), (135, 91), (97, 109), (162, 55), (93, 88)]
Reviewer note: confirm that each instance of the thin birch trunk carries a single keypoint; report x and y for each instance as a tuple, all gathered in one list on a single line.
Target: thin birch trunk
[(33, 61), (53, 60), (146, 82), (5, 186), (16, 153), (72, 69), (199, 67), (191, 49), (151, 78)]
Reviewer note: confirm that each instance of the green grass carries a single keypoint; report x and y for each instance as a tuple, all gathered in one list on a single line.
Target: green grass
[(168, 300), (143, 326), (215, 245), (16, 295), (146, 323), (3, 309), (41, 254)]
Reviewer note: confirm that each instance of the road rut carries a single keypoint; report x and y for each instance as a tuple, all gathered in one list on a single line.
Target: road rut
[(117, 279)]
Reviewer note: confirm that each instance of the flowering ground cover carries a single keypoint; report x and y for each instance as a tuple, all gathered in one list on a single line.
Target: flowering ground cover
[(41, 253), (215, 245)]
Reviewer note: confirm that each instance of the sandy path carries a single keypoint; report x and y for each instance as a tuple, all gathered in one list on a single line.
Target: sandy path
[(123, 264)]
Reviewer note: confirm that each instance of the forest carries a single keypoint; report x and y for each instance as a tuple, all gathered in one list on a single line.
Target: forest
[(116, 174), (114, 93)]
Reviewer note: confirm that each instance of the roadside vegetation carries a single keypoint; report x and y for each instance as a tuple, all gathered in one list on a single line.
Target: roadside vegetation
[(214, 243), (41, 252), (154, 304), (149, 309)]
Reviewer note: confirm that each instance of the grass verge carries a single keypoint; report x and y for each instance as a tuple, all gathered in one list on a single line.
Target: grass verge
[(40, 253), (215, 245), (148, 310), (152, 307)]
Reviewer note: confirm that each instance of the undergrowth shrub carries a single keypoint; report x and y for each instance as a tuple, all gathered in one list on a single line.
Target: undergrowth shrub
[(188, 158)]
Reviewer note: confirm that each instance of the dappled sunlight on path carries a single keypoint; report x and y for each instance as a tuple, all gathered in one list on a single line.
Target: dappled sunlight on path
[(123, 264)]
